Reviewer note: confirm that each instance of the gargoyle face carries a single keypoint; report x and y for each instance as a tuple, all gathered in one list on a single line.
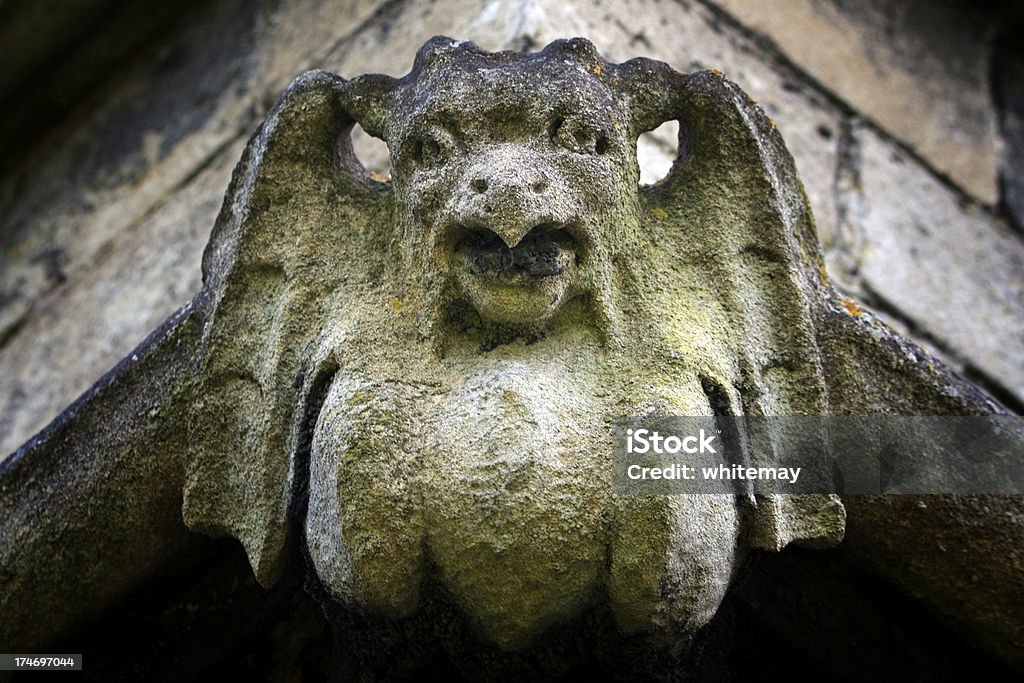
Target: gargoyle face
[(515, 201), (519, 195)]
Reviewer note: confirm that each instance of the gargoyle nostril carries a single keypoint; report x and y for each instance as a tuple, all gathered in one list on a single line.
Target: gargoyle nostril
[(479, 185), (539, 186)]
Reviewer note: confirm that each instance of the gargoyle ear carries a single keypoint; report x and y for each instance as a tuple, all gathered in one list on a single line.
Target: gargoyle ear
[(369, 100), (295, 215), (655, 89)]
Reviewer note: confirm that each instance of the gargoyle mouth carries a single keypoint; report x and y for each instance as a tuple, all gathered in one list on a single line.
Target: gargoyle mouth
[(547, 250)]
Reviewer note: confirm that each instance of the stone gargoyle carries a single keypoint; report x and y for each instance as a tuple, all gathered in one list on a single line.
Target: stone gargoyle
[(410, 384)]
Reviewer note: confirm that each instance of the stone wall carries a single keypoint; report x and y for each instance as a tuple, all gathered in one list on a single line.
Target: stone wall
[(904, 118)]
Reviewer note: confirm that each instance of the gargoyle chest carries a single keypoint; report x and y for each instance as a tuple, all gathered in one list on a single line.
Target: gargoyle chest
[(499, 480), (506, 432), (506, 427)]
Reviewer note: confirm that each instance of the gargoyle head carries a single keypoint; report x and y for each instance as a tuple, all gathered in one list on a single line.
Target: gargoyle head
[(515, 174)]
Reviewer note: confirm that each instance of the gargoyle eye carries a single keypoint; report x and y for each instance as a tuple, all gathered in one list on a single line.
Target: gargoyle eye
[(578, 137), (431, 149), (427, 152)]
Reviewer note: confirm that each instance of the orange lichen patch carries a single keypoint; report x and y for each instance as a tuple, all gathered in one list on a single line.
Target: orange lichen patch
[(851, 307), (823, 274), (716, 72)]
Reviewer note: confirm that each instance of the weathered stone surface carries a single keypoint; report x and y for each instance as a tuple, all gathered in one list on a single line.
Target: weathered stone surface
[(384, 45), (73, 214), (494, 154), (98, 493), (95, 321), (549, 142), (938, 263), (928, 546), (1009, 86), (920, 70), (982, 598)]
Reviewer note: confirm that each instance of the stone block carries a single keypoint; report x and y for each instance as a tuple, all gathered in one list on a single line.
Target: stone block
[(949, 268), (919, 70)]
